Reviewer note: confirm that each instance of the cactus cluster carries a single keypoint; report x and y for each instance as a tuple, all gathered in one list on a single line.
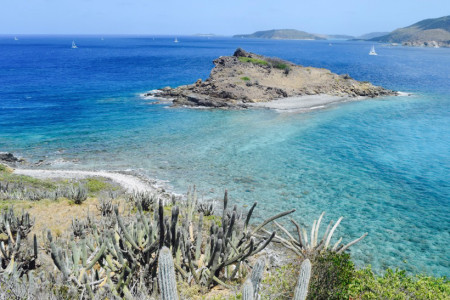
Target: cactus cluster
[(308, 248), (106, 206), (16, 258), (124, 253), (20, 191), (206, 208), (146, 200), (126, 257), (12, 224)]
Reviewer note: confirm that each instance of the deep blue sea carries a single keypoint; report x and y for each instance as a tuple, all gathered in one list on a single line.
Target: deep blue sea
[(382, 164)]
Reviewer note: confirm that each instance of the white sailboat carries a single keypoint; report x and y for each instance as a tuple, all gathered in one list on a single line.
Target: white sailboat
[(15, 38), (176, 40), (372, 51), (74, 46)]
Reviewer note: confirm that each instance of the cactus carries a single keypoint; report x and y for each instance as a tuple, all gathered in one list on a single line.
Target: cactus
[(309, 248), (247, 291), (10, 224), (78, 194), (301, 290), (146, 200), (257, 274), (166, 275), (207, 209), (105, 207)]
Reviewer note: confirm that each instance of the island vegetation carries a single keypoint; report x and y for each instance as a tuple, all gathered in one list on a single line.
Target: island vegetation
[(98, 241)]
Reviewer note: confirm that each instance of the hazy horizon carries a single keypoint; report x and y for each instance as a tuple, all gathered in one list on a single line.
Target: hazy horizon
[(350, 17)]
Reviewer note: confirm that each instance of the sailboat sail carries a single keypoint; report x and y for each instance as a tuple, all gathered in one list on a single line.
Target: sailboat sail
[(74, 46), (372, 51)]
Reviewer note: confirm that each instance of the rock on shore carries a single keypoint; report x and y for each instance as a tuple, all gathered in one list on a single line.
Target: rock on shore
[(244, 78)]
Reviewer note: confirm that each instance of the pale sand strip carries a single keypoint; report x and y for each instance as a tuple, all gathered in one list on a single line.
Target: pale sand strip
[(128, 182), (303, 103)]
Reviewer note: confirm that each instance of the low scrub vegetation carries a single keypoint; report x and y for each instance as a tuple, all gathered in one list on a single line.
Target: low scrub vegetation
[(147, 246)]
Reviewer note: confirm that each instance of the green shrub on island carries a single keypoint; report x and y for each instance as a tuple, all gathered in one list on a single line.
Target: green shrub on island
[(255, 61), (245, 78)]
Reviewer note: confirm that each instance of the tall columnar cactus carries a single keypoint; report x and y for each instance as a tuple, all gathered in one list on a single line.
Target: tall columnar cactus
[(257, 274), (247, 291), (301, 290), (166, 275)]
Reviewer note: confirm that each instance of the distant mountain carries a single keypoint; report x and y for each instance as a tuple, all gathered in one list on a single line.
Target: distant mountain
[(429, 32), (281, 34), (371, 35)]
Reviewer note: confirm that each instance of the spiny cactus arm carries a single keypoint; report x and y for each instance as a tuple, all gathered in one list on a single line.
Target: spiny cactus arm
[(299, 233), (301, 290), (352, 243), (191, 265), (166, 275), (282, 214), (56, 256), (173, 225), (161, 224), (305, 236), (322, 242), (330, 235), (336, 244), (286, 243), (264, 244), (249, 215), (248, 291), (35, 247), (198, 243), (96, 257), (257, 274), (143, 219), (317, 228), (313, 231), (3, 250), (284, 230), (124, 230), (215, 261)]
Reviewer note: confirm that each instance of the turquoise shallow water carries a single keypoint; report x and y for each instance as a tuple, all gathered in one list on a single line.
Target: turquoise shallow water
[(383, 164)]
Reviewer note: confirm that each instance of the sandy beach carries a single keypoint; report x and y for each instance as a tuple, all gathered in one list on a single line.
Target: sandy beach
[(130, 183), (304, 103)]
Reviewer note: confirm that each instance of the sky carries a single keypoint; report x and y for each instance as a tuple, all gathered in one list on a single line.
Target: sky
[(185, 17)]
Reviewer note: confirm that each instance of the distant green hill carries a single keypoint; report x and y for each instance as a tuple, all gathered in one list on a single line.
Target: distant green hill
[(429, 32), (281, 34)]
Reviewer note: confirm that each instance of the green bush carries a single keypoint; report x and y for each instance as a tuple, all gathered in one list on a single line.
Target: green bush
[(245, 78), (255, 61), (95, 185), (331, 276), (398, 285)]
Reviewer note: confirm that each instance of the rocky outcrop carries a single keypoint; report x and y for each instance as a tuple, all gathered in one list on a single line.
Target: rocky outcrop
[(245, 78), (8, 157)]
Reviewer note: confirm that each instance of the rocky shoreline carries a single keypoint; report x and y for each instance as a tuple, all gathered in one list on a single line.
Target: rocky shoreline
[(244, 78)]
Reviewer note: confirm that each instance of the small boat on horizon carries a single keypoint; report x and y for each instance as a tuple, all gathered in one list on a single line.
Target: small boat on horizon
[(15, 38), (74, 46), (372, 51), (176, 40)]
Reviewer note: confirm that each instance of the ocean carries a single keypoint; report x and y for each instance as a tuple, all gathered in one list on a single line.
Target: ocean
[(383, 164)]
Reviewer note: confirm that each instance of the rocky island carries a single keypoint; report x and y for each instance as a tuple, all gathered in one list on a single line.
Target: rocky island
[(241, 80)]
